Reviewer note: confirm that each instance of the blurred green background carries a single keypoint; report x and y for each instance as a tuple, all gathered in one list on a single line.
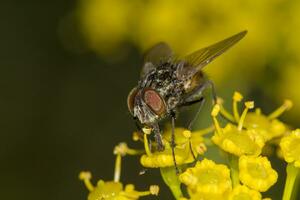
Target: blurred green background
[(66, 68)]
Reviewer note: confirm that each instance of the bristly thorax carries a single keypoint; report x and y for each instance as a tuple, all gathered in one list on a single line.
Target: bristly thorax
[(165, 81)]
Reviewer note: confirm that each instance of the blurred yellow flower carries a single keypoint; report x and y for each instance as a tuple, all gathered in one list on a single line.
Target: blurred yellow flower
[(106, 23), (257, 173), (242, 192), (189, 25), (112, 190), (290, 148), (207, 179)]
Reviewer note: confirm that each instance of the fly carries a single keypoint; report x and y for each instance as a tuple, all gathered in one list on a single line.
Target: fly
[(168, 83)]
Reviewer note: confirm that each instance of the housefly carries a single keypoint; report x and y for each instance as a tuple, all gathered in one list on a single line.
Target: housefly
[(168, 83)]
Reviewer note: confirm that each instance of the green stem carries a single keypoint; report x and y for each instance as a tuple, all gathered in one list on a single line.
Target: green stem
[(171, 179), (296, 187), (291, 178), (234, 169)]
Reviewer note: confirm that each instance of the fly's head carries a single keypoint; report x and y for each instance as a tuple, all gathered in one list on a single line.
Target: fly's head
[(147, 105)]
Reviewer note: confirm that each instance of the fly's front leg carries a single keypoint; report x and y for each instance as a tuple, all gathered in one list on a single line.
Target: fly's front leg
[(173, 144), (158, 138)]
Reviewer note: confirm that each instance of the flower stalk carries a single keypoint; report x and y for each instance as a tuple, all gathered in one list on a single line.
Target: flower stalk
[(171, 179), (292, 173), (234, 169)]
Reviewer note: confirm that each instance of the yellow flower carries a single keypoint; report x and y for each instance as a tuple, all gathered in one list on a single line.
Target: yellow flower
[(112, 190), (188, 147), (234, 139), (267, 126), (207, 178), (257, 173), (290, 148), (242, 192)]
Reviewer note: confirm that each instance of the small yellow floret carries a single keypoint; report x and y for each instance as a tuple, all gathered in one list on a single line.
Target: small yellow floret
[(207, 177), (257, 173), (238, 142), (242, 192), (290, 148), (267, 128)]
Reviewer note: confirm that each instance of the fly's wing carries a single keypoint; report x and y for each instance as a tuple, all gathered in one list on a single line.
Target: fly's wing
[(155, 55), (204, 56)]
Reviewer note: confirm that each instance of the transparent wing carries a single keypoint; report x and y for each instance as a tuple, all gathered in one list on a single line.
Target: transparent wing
[(202, 57), (155, 55)]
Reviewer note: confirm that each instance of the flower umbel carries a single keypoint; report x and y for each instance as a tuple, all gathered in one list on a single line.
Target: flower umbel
[(246, 174)]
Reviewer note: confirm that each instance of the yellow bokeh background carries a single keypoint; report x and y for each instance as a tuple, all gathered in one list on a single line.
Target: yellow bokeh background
[(266, 60)]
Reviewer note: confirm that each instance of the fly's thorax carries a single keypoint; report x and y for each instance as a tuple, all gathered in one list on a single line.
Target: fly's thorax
[(160, 91)]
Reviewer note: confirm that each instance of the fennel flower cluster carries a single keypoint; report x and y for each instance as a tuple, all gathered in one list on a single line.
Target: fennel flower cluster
[(245, 174)]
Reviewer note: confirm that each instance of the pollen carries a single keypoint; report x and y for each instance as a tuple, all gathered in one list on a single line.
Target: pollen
[(237, 96)]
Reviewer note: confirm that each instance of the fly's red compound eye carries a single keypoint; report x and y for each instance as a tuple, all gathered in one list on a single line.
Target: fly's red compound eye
[(130, 99), (154, 101)]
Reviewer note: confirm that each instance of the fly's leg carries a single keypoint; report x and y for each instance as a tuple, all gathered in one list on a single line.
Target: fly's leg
[(158, 138), (173, 144), (197, 97), (201, 102)]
